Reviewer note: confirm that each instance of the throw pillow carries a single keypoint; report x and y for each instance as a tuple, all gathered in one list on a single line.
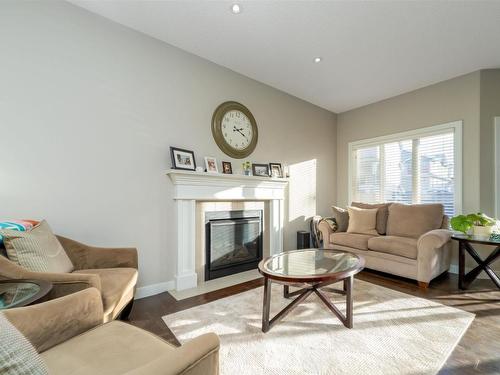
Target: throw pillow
[(362, 220), (17, 355), (341, 217), (37, 250), (20, 225), (413, 220), (382, 214)]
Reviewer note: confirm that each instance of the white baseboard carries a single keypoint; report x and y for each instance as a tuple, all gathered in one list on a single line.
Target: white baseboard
[(151, 290), (454, 269)]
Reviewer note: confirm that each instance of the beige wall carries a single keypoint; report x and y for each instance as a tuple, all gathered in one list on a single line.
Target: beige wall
[(490, 108), (455, 99), (89, 108)]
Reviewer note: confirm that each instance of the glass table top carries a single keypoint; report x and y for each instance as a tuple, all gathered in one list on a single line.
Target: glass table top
[(15, 293), (477, 239), (310, 263)]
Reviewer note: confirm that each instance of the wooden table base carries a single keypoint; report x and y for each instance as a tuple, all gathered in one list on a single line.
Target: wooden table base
[(302, 294), (483, 265)]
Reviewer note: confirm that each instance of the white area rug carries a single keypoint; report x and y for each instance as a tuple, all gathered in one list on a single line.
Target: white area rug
[(394, 333)]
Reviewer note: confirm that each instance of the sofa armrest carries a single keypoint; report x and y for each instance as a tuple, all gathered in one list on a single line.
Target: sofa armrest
[(88, 257), (199, 356), (326, 230), (433, 254), (51, 323), (435, 239)]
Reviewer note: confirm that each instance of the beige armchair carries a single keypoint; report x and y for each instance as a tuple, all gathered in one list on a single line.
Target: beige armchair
[(71, 339), (111, 271)]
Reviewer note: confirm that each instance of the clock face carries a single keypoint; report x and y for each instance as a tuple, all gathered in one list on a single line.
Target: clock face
[(234, 129), (237, 129)]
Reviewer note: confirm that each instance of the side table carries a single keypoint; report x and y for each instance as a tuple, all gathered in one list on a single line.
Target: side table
[(465, 245), (19, 293)]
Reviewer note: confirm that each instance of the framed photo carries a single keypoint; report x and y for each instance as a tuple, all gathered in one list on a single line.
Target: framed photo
[(227, 168), (182, 159), (276, 170), (261, 170), (211, 164)]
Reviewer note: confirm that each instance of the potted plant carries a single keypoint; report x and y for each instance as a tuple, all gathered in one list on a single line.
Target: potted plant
[(481, 224), (247, 168)]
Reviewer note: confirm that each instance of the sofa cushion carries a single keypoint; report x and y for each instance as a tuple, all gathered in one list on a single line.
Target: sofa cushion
[(17, 355), (382, 214), (37, 249), (354, 240), (414, 220), (362, 220), (113, 348), (341, 217), (117, 288), (402, 246)]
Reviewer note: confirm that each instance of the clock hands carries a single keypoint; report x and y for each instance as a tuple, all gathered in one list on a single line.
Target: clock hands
[(235, 129)]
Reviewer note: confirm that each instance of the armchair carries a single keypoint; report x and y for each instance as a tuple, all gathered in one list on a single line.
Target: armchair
[(112, 271), (71, 339)]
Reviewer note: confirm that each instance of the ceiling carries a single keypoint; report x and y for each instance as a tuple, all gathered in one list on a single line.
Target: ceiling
[(371, 50)]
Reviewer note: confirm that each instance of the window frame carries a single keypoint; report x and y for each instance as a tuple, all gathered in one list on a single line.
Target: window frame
[(456, 126)]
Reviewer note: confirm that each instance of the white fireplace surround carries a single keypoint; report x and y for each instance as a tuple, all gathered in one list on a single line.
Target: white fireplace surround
[(190, 187)]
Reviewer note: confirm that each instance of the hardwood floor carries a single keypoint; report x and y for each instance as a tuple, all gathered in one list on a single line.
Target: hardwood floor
[(477, 353)]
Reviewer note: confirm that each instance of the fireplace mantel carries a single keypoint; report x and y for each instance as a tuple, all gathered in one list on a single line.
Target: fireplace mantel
[(209, 186), (190, 187)]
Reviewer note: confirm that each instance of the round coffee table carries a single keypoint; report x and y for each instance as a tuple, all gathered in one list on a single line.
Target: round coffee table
[(18, 293), (310, 270)]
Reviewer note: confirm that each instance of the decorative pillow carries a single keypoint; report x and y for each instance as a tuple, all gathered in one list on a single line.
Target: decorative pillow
[(382, 214), (362, 220), (17, 355), (37, 250), (341, 217), (20, 225), (413, 220)]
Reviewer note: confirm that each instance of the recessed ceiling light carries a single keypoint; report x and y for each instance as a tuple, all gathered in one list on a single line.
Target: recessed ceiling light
[(317, 59), (235, 9)]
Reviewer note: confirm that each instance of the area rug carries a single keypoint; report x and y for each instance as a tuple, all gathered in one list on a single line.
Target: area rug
[(394, 333)]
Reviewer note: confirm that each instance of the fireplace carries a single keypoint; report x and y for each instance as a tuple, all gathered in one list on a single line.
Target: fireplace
[(233, 242)]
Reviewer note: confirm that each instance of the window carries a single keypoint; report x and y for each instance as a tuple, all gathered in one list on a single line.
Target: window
[(422, 166)]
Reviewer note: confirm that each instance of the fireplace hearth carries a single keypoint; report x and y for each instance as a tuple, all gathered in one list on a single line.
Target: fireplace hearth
[(233, 242)]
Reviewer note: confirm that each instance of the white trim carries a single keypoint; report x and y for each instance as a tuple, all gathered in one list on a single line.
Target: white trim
[(431, 130), (410, 134), (153, 289), (496, 130)]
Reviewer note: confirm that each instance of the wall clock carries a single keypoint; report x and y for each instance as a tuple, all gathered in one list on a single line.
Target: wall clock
[(234, 129)]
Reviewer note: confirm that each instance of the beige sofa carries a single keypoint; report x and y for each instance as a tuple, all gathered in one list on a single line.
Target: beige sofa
[(71, 339), (416, 244)]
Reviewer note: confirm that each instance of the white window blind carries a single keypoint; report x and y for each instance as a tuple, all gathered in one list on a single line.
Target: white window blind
[(415, 167)]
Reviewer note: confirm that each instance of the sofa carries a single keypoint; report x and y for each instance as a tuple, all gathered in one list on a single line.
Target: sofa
[(414, 242), (68, 335), (113, 271)]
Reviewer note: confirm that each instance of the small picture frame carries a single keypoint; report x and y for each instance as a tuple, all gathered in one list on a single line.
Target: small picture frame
[(261, 170), (227, 168), (211, 164), (182, 159), (276, 170)]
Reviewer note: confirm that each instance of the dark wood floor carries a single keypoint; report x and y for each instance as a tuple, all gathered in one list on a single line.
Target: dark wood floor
[(477, 353)]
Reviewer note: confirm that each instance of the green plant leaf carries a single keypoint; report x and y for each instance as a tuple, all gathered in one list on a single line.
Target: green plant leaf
[(461, 223)]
